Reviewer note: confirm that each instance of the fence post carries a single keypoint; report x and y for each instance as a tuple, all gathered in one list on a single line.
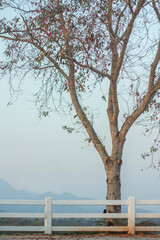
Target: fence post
[(131, 215), (48, 215)]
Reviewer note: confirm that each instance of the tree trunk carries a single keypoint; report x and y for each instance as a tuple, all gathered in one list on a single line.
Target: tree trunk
[(113, 189)]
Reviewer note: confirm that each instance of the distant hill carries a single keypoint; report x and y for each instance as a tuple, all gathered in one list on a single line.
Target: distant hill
[(8, 192)]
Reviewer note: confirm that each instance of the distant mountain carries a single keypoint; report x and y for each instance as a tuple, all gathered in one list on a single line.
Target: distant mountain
[(8, 192)]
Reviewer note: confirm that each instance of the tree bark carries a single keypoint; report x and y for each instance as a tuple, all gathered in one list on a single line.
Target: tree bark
[(113, 189)]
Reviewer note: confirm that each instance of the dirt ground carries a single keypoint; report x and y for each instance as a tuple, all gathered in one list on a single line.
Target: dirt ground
[(77, 237)]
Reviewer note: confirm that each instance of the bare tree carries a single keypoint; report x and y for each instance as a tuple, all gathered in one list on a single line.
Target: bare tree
[(71, 46)]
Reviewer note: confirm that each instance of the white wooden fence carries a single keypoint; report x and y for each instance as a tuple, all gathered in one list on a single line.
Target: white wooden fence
[(49, 215)]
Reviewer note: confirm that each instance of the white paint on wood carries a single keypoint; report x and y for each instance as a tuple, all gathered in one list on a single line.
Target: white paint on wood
[(48, 215), (21, 229), (89, 202), (48, 228), (90, 215), (22, 202), (147, 215), (22, 215), (148, 202), (131, 215), (148, 229), (89, 229)]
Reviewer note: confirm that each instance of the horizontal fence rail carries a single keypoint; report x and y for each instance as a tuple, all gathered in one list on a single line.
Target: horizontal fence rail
[(89, 202), (48, 215)]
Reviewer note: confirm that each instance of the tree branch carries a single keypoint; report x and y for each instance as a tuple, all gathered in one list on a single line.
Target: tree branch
[(17, 7), (82, 115), (113, 109), (93, 69), (152, 89), (41, 68), (15, 39), (52, 61), (127, 34), (119, 18), (42, 50), (138, 8), (133, 117), (156, 9), (84, 120), (153, 68)]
